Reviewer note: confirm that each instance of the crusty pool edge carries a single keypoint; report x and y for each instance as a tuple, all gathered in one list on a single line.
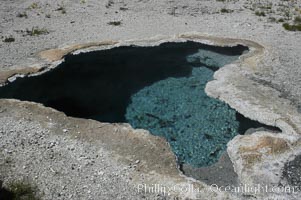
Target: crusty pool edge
[(230, 84)]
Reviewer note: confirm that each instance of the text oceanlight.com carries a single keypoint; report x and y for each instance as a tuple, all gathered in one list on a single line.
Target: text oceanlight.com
[(190, 188)]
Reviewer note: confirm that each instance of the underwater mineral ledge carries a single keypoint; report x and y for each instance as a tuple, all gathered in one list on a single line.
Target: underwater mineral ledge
[(160, 89)]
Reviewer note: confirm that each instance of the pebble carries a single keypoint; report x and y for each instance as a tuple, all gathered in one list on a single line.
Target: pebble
[(52, 144), (100, 173)]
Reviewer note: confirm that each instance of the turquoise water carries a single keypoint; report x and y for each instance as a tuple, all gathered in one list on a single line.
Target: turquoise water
[(197, 127)]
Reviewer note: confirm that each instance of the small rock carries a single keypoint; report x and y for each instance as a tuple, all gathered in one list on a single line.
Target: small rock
[(100, 173), (52, 144), (8, 151)]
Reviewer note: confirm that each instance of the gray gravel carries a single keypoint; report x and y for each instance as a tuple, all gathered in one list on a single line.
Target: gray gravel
[(63, 168), (292, 172)]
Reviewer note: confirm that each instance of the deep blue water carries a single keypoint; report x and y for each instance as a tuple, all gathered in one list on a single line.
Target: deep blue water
[(160, 89)]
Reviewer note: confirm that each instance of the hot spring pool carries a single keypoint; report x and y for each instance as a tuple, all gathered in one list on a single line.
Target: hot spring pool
[(160, 89)]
